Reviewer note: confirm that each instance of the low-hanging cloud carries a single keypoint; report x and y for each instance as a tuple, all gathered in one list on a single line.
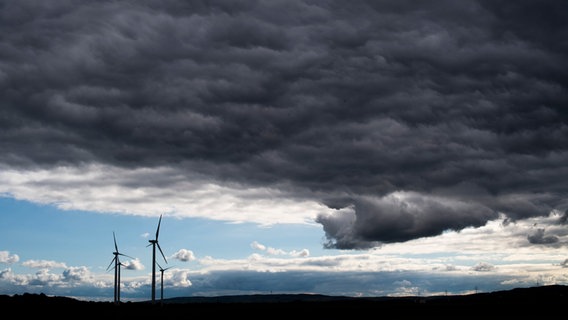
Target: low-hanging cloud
[(400, 217), (184, 255), (408, 118)]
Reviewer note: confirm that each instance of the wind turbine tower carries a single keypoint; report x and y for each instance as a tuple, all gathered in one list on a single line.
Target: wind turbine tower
[(117, 265), (154, 243), (162, 282)]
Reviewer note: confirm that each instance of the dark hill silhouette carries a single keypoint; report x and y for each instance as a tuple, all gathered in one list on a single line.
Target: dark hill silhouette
[(539, 301)]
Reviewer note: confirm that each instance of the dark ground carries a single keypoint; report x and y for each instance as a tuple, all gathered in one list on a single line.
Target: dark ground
[(543, 302)]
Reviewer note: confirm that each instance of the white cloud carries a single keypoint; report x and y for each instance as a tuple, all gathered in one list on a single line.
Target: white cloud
[(184, 255), (43, 264), (6, 257), (133, 265), (102, 188)]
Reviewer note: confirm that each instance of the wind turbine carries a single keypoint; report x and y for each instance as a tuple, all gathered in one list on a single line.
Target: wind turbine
[(162, 282), (117, 265), (154, 243)]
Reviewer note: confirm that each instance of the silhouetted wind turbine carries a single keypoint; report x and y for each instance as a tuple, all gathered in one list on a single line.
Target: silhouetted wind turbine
[(117, 265), (162, 282), (154, 243)]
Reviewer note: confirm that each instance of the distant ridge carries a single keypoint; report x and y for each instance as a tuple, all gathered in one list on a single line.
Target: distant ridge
[(544, 300), (260, 298), (546, 293), (531, 295)]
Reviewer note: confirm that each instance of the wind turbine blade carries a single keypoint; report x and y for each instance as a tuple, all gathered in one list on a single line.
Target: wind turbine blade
[(161, 252), (115, 246), (158, 229), (163, 269), (111, 262), (122, 254)]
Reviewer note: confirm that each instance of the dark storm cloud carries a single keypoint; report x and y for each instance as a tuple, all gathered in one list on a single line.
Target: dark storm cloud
[(400, 218), (464, 102), (538, 237)]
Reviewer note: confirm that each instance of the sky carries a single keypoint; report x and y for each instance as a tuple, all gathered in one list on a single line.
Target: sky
[(350, 148)]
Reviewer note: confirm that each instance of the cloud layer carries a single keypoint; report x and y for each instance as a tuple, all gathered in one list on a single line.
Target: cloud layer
[(409, 118)]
